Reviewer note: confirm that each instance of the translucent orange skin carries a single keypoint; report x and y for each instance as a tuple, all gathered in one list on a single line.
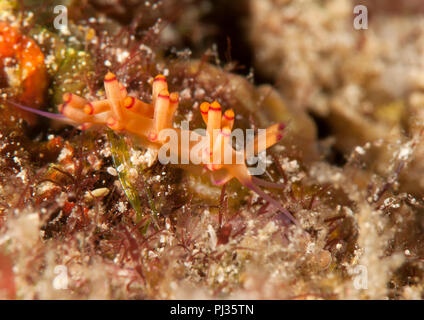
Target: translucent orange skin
[(24, 52)]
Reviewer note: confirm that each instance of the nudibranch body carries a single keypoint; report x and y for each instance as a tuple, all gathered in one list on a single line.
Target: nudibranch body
[(152, 124)]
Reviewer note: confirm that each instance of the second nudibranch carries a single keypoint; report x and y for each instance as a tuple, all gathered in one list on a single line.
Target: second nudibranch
[(124, 113)]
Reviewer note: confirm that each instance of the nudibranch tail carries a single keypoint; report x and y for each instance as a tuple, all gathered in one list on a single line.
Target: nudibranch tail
[(267, 184), (241, 173), (271, 200)]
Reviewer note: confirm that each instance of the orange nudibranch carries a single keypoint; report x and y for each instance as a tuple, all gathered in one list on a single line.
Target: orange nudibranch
[(212, 152)]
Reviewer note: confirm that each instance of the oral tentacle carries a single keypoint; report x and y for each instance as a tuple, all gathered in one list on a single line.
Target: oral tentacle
[(50, 115)]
